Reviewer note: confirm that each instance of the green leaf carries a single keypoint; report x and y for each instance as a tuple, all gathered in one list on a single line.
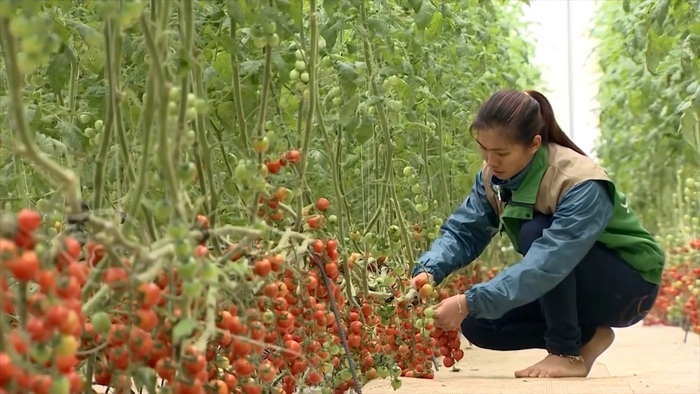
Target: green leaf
[(347, 73), (58, 73), (250, 67), (222, 65), (378, 26), (424, 15), (330, 31), (145, 378), (226, 111), (488, 5), (659, 13), (183, 328), (656, 51), (236, 10), (330, 6), (89, 35), (292, 8), (365, 130), (351, 161), (690, 128), (348, 110)]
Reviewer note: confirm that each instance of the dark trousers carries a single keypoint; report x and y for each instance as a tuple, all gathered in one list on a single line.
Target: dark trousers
[(602, 291)]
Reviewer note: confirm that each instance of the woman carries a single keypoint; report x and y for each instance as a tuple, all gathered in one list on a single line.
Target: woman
[(588, 264)]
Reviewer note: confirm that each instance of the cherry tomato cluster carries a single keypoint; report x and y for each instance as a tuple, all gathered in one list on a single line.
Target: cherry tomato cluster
[(55, 328), (678, 301), (47, 326)]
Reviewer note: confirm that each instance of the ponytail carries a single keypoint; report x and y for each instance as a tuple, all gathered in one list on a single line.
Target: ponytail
[(551, 132)]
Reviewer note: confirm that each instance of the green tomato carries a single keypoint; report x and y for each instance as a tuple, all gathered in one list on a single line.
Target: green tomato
[(60, 385), (84, 117), (270, 27), (334, 92), (43, 205), (183, 249), (186, 271), (101, 322), (345, 374), (273, 40), (210, 272), (89, 132), (268, 317), (20, 26), (192, 289), (41, 353), (259, 42), (163, 210)]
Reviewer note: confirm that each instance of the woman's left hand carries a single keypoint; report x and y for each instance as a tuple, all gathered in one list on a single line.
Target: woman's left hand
[(450, 312)]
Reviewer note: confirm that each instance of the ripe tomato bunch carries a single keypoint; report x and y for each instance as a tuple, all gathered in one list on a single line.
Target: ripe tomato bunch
[(80, 313), (43, 329), (678, 302)]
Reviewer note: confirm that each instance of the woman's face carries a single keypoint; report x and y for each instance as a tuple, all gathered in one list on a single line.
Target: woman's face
[(504, 157)]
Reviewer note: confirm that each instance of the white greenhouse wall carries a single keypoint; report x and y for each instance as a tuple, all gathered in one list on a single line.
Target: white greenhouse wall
[(569, 76)]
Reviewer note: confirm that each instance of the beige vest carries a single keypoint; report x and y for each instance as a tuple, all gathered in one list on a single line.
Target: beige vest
[(565, 169)]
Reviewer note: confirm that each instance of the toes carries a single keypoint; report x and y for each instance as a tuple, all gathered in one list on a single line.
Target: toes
[(523, 373), (529, 373)]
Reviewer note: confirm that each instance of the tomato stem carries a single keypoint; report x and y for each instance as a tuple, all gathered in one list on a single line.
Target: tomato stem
[(236, 79), (106, 143), (311, 110), (65, 179), (267, 72), (339, 322), (186, 60)]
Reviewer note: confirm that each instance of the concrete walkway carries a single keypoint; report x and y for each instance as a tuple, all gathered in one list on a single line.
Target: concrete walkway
[(641, 360)]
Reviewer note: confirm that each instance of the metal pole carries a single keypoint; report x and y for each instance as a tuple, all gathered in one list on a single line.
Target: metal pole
[(570, 48)]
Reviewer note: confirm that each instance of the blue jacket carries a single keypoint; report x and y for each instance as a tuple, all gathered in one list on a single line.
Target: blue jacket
[(581, 216)]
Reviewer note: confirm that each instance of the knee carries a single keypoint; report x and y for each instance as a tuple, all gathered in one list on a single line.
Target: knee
[(475, 333), (532, 230)]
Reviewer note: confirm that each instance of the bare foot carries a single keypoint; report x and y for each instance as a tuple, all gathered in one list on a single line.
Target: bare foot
[(555, 367), (601, 341), (562, 367)]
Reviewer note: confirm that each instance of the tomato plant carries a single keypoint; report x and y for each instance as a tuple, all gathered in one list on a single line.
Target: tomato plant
[(649, 99), (650, 134), (228, 196)]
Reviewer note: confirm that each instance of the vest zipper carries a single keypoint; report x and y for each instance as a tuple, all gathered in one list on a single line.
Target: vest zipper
[(520, 204)]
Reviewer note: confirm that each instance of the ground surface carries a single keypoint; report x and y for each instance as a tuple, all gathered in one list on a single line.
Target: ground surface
[(641, 360)]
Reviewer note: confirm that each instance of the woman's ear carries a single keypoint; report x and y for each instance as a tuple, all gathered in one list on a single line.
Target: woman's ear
[(536, 143)]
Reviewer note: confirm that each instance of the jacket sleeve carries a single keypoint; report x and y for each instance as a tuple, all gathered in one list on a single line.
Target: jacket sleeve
[(463, 236), (582, 215)]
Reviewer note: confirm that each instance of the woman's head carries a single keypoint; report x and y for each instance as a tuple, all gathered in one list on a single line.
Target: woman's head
[(511, 126)]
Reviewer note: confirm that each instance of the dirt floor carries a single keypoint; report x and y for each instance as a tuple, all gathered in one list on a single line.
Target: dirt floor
[(641, 360)]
